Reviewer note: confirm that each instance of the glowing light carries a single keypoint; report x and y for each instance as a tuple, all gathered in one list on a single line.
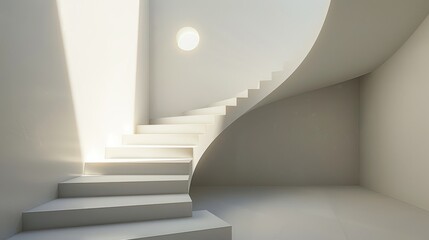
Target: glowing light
[(101, 44), (187, 38)]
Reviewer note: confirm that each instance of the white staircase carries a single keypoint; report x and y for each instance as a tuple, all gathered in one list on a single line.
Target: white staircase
[(141, 189), (141, 194)]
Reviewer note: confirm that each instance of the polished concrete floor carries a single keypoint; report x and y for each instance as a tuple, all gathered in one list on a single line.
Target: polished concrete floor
[(312, 213)]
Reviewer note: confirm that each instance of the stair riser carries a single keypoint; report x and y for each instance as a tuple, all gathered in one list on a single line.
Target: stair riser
[(137, 168), (159, 139), (70, 190), (224, 233), (173, 129), (87, 217), (149, 152)]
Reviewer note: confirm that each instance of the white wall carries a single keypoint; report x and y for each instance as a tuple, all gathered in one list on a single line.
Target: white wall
[(310, 139), (39, 140), (74, 76), (242, 42), (394, 123), (106, 51)]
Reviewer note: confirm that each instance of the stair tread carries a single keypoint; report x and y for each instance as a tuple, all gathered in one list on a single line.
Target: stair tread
[(155, 146), (172, 128), (175, 125), (143, 160), (188, 116), (161, 134), (208, 111), (64, 204), (185, 119), (230, 102), (201, 220), (126, 178)]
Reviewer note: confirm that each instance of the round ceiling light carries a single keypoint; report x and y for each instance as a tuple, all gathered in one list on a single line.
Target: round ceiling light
[(187, 38)]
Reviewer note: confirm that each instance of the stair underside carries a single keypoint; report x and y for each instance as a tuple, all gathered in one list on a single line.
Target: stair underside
[(201, 226)]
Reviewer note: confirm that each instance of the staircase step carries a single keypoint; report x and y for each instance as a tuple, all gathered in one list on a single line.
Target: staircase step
[(264, 83), (202, 225), (172, 128), (243, 94), (78, 212), (164, 138), (217, 110), (232, 102), (155, 166), (150, 151), (196, 119), (246, 93), (123, 185)]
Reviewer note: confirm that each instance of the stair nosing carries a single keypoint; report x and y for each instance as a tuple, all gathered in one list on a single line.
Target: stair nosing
[(71, 181), (186, 199)]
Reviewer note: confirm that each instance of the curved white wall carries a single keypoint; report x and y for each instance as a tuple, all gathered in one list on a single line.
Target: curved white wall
[(309, 139), (242, 42), (356, 38)]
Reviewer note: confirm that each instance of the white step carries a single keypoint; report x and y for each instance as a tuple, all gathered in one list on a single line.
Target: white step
[(246, 93), (243, 94), (150, 151), (172, 128), (263, 83), (168, 166), (197, 119), (232, 102), (77, 212), (218, 110), (201, 226), (279, 75), (163, 138), (123, 185)]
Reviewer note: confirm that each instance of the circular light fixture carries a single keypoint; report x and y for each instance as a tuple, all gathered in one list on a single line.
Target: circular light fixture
[(187, 38)]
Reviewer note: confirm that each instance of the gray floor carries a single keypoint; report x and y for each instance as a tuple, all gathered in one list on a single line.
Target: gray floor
[(312, 213)]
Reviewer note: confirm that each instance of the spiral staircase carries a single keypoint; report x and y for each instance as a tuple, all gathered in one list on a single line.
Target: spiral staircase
[(141, 189)]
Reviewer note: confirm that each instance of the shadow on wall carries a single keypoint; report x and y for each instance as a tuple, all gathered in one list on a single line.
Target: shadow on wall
[(141, 101), (39, 141), (309, 139)]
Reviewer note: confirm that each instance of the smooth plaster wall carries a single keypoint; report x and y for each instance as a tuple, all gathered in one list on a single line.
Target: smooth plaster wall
[(309, 139), (242, 42), (394, 123), (356, 38), (39, 141)]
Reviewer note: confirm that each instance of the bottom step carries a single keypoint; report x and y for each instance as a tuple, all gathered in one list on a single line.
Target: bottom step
[(201, 226)]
